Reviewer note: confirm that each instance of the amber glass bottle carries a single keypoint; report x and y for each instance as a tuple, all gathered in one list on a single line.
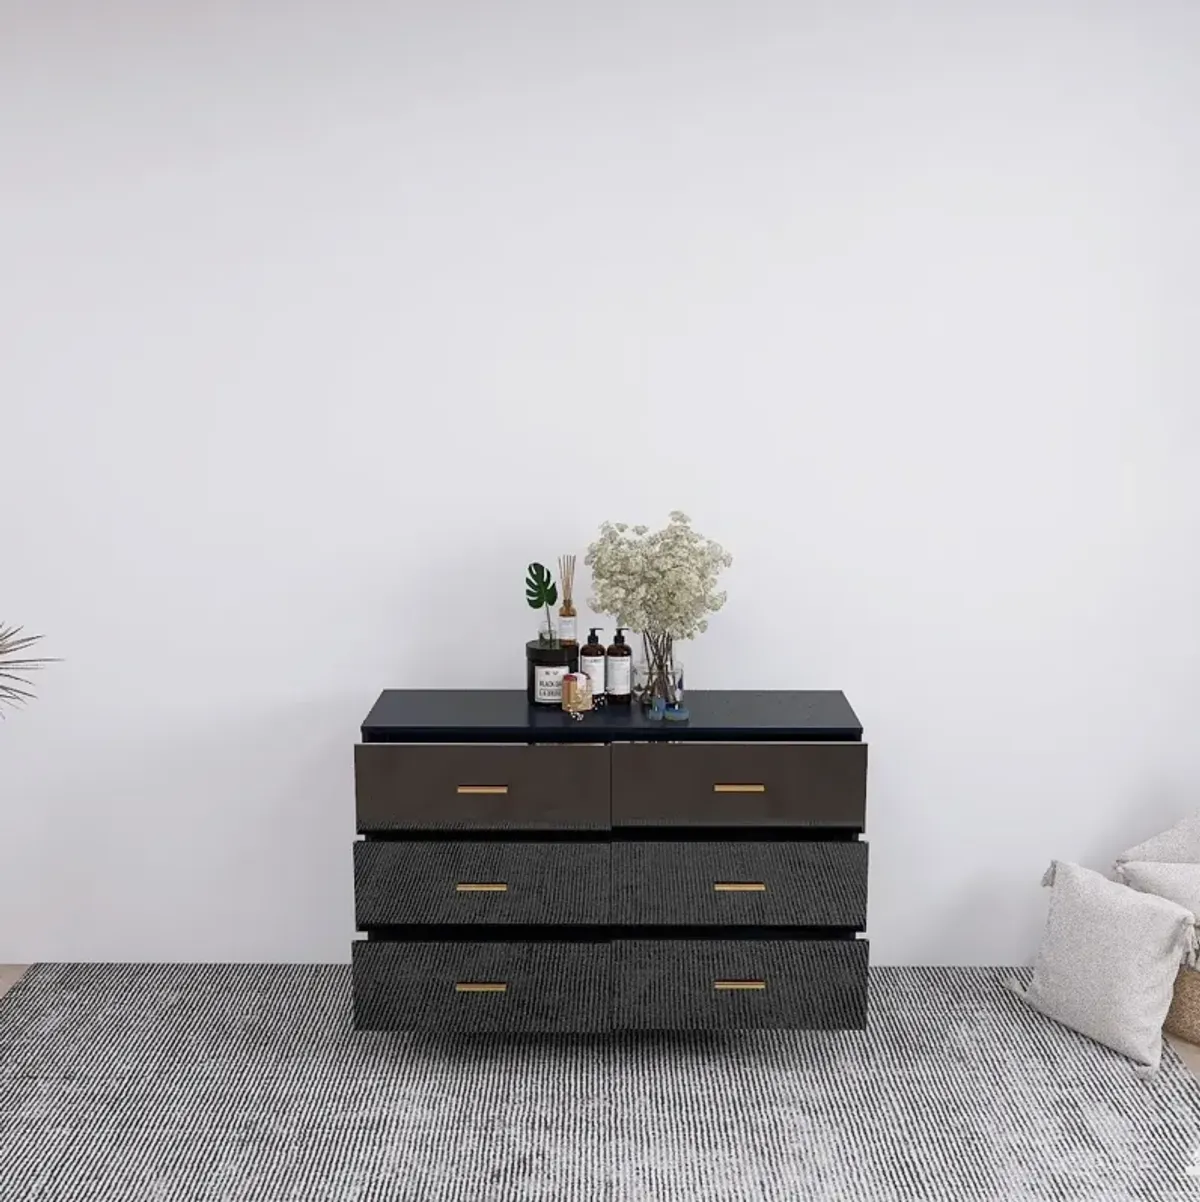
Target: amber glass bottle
[(567, 634), (566, 625), (592, 660), (618, 670)]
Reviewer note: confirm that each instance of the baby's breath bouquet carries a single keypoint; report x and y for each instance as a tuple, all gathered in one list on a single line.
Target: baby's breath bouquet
[(662, 584)]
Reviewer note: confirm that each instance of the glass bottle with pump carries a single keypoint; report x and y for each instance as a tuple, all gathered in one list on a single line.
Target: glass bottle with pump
[(618, 670), (591, 662)]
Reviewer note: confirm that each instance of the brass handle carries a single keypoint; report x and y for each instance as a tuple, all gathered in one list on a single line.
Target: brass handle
[(739, 984), (472, 887), (480, 987), (739, 788), (739, 887), (493, 789)]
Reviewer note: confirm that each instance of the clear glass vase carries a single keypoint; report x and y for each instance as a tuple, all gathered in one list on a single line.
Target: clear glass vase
[(660, 675)]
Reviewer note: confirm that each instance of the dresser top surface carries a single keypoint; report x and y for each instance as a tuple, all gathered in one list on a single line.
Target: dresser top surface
[(505, 715)]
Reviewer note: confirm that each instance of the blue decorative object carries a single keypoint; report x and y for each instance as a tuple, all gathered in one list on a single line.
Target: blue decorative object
[(677, 713), (657, 710)]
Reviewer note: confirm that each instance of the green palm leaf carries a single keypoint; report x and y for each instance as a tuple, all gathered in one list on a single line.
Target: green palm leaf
[(15, 686)]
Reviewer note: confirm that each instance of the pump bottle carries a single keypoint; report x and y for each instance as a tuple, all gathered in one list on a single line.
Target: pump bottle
[(618, 670), (591, 663)]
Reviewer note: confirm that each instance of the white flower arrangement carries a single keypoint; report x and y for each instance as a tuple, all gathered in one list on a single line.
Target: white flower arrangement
[(662, 584)]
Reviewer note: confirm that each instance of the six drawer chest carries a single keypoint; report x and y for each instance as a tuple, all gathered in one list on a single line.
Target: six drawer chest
[(520, 871)]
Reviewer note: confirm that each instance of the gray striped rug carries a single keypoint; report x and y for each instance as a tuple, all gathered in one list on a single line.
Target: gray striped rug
[(156, 1083)]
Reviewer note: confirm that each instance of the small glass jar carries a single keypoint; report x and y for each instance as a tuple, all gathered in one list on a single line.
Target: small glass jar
[(577, 696)]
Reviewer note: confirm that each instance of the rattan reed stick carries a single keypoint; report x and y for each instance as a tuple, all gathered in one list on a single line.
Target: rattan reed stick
[(566, 573)]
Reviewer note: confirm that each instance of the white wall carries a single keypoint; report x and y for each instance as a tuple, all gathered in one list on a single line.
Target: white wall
[(304, 309)]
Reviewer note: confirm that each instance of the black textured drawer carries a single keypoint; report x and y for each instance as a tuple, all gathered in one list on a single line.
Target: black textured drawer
[(494, 986), (740, 884), (693, 984), (439, 882)]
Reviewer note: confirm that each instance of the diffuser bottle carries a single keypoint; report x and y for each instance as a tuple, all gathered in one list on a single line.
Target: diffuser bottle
[(566, 625), (618, 670), (566, 614)]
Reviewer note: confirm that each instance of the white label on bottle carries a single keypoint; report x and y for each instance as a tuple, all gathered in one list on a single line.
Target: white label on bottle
[(618, 675), (566, 630), (593, 667), (547, 683)]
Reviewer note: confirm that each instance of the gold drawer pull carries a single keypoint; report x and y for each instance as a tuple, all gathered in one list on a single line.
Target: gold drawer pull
[(739, 887), (473, 887), (480, 987), (739, 788), (739, 984), (490, 789)]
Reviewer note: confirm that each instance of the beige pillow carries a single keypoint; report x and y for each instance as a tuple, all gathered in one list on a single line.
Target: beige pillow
[(1179, 883), (1108, 960), (1179, 845)]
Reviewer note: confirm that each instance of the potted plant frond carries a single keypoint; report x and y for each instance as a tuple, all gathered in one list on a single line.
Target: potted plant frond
[(15, 663)]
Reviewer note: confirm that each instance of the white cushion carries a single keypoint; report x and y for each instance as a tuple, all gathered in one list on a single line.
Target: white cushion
[(1179, 883), (1179, 845), (1108, 961)]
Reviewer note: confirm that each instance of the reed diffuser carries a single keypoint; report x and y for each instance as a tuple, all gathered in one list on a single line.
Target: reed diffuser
[(567, 634)]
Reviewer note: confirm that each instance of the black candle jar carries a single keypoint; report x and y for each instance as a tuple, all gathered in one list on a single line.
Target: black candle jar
[(545, 666)]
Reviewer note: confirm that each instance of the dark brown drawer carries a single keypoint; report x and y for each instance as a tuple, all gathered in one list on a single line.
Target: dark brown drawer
[(740, 884), (739, 784), (493, 986), (429, 882), (661, 985), (478, 786)]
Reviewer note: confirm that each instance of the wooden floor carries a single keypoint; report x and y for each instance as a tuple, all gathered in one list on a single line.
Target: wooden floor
[(1189, 1053)]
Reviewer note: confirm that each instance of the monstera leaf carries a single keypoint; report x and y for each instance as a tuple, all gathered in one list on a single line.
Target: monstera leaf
[(540, 588)]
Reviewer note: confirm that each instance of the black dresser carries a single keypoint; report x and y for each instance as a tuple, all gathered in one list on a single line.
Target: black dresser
[(521, 871)]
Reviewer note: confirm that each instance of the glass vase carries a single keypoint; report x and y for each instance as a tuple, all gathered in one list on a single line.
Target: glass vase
[(660, 675)]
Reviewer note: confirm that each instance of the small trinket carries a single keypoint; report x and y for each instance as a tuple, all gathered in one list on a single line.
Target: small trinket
[(577, 696)]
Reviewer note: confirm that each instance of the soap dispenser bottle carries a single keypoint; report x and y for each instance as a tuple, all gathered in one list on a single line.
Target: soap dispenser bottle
[(618, 672), (591, 664)]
